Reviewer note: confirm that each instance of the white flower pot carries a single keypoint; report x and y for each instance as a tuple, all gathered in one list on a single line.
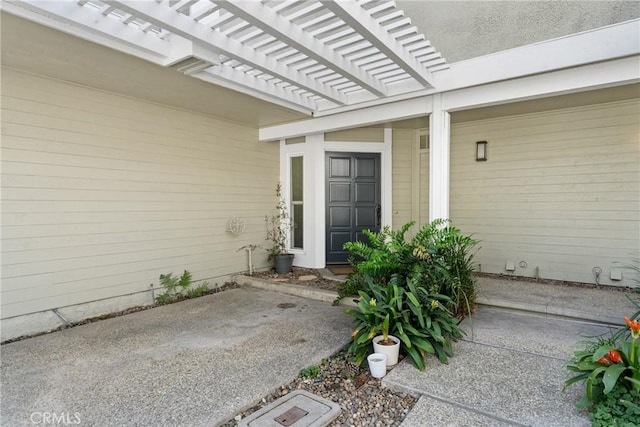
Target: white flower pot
[(391, 351), (377, 365)]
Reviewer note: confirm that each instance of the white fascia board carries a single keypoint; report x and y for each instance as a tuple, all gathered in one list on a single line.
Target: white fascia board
[(407, 109), (602, 44), (593, 76)]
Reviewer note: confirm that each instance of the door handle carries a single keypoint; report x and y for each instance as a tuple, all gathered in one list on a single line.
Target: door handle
[(378, 214)]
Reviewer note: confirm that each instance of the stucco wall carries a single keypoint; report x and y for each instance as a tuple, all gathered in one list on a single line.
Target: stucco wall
[(467, 29), (102, 193)]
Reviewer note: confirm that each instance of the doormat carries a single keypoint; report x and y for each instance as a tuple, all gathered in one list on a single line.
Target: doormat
[(341, 269)]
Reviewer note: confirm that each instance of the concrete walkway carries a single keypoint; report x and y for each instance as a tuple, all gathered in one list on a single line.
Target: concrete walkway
[(510, 368), (199, 362), (508, 372)]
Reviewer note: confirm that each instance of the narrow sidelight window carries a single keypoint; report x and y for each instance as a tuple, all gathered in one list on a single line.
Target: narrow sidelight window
[(296, 203)]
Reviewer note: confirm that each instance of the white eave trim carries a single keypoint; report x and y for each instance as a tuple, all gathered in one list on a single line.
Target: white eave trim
[(602, 44), (588, 77), (378, 114), (604, 57)]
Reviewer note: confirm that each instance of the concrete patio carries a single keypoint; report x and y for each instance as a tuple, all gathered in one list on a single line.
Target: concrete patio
[(195, 363), (202, 361)]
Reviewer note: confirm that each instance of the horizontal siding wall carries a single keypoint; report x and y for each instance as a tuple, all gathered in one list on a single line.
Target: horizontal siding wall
[(356, 135), (560, 190), (102, 193), (402, 153), (424, 187)]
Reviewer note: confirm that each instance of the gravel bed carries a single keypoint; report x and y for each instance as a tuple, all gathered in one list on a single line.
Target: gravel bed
[(363, 400)]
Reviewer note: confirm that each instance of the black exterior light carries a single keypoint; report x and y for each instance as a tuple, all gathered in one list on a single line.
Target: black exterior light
[(481, 151)]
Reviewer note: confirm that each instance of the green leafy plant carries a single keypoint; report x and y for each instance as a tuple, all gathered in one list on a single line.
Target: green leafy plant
[(278, 226), (310, 372), (391, 309), (352, 284), (177, 288), (608, 363), (438, 258), (201, 290), (619, 408)]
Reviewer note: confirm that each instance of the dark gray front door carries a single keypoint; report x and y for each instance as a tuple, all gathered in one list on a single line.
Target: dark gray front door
[(353, 200)]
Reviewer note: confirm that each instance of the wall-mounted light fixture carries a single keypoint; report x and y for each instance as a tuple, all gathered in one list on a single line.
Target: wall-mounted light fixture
[(481, 151)]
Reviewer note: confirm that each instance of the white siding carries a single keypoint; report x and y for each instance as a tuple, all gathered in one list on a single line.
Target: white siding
[(103, 193), (560, 190)]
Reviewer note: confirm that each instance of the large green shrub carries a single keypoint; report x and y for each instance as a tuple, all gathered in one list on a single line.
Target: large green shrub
[(438, 258), (413, 289)]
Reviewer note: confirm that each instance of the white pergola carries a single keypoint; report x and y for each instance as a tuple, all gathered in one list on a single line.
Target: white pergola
[(310, 56)]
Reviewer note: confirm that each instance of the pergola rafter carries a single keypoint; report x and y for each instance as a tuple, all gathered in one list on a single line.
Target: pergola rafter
[(281, 28), (364, 24), (307, 55)]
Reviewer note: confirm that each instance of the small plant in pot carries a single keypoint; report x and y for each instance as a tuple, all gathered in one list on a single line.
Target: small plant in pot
[(387, 344), (278, 231)]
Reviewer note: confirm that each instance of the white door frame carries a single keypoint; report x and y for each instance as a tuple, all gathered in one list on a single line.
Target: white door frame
[(313, 149)]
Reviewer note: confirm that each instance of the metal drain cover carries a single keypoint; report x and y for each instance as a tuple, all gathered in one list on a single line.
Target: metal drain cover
[(297, 409), (291, 416)]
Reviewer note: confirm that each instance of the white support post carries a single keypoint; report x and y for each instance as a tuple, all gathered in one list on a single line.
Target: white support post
[(314, 196), (439, 161), (386, 178)]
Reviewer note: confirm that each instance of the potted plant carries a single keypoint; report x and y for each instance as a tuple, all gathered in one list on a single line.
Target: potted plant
[(418, 319), (377, 310), (278, 231), (387, 344)]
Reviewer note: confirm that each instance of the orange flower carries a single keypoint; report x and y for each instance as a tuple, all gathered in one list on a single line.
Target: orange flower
[(634, 326), (614, 356), (603, 361)]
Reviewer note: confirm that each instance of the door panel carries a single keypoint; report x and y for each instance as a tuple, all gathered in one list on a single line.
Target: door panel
[(365, 218), (365, 192), (353, 200), (340, 192)]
